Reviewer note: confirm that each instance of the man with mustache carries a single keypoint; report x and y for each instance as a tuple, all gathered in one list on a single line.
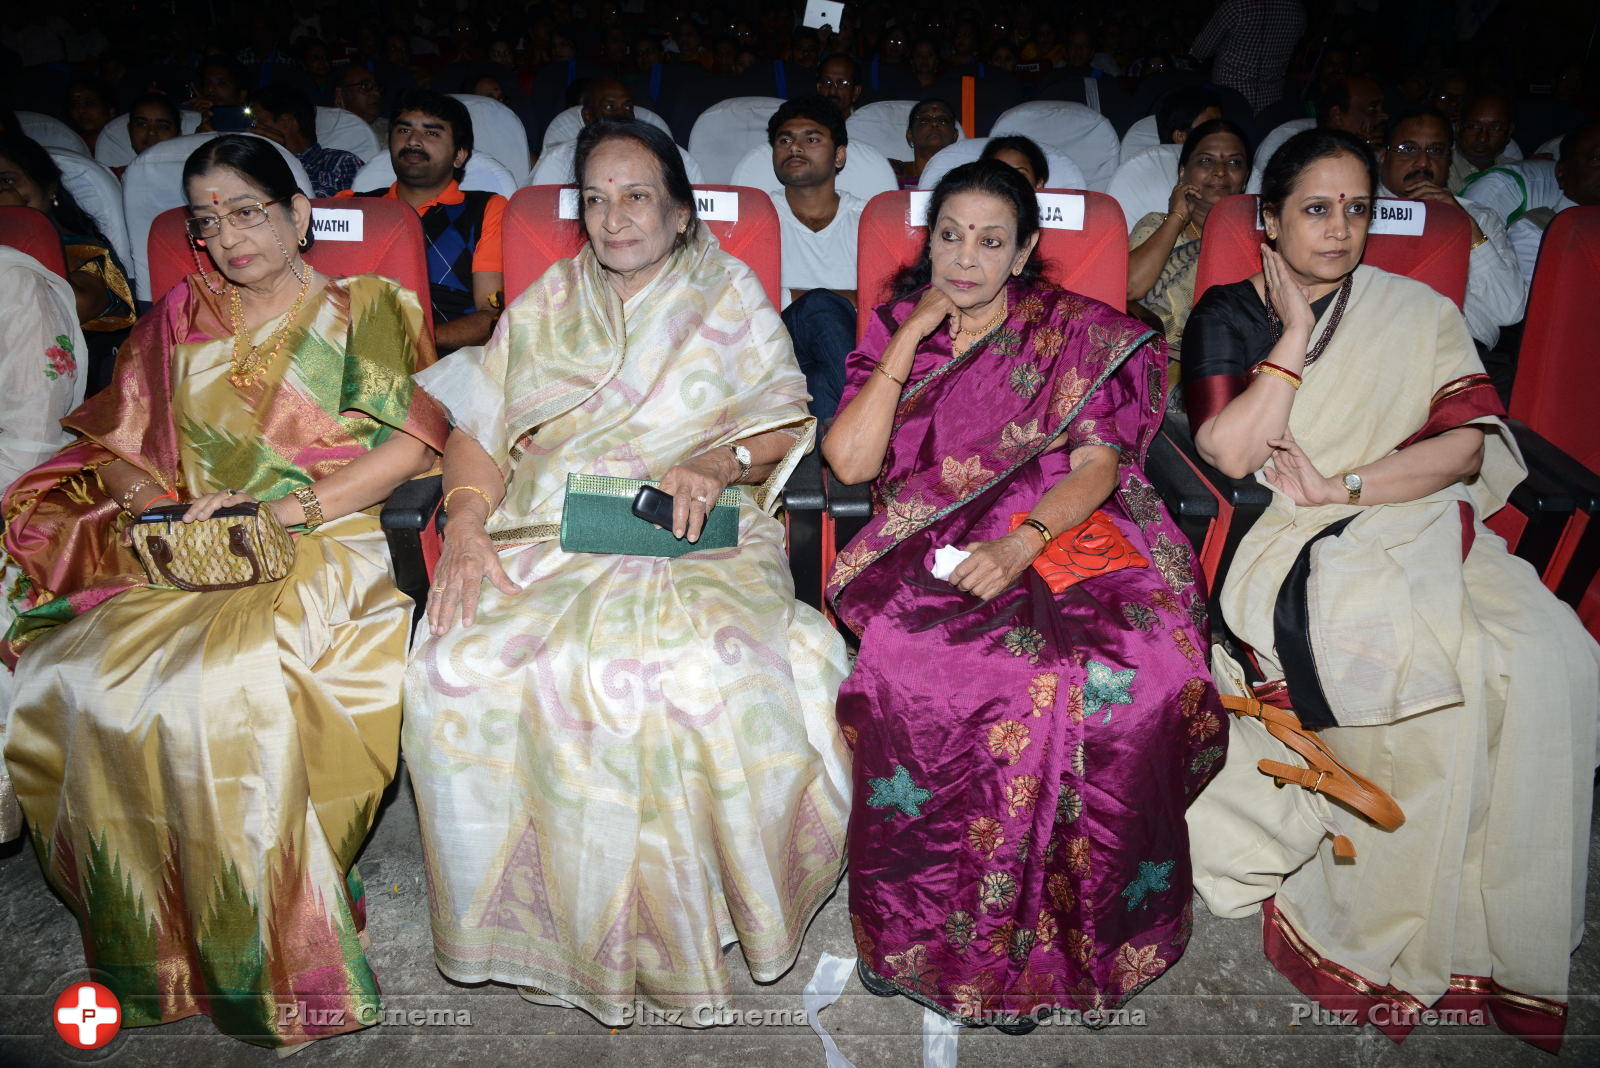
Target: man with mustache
[(1414, 162), (430, 141)]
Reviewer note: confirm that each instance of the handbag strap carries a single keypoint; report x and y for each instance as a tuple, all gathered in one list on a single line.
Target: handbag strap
[(1325, 773)]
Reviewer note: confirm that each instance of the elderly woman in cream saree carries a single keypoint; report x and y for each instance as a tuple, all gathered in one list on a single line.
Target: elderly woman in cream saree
[(624, 764), (1430, 660)]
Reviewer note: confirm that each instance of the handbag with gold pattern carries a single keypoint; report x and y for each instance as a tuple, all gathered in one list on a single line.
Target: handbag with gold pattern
[(240, 545)]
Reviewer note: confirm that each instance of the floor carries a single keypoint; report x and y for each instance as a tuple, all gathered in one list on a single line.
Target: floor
[(1221, 1004)]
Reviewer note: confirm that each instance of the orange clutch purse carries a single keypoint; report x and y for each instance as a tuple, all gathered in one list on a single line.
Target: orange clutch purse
[(1093, 547)]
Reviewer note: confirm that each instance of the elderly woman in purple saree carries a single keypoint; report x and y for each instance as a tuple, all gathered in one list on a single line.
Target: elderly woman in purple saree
[(1023, 758)]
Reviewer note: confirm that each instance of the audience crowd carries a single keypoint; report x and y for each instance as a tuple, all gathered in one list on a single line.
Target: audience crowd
[(628, 757)]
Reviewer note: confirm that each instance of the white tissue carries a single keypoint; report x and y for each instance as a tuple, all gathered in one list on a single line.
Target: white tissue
[(945, 560)]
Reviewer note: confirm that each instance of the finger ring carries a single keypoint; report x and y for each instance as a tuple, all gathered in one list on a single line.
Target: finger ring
[(439, 588), (702, 500)]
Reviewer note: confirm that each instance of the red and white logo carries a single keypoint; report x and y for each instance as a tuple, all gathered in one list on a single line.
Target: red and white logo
[(87, 1015)]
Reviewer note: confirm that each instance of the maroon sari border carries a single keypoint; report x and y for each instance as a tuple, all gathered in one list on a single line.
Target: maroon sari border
[(1457, 403)]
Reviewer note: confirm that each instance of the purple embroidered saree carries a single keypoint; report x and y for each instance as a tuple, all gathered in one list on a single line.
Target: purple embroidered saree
[(1021, 767)]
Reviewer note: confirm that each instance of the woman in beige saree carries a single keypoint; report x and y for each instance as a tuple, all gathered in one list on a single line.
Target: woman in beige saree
[(1372, 598), (624, 764)]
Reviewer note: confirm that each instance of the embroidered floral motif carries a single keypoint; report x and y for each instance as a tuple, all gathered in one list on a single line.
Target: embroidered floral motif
[(1018, 440), (1024, 843), (1037, 986), (1026, 380), (1022, 793), (985, 834), (1203, 760), (62, 364), (1059, 887), (1075, 702), (1020, 944), (1042, 691), (1135, 966), (1079, 946), (1156, 378), (1069, 805), (1141, 500), (1106, 686), (1071, 388), (1194, 690), (850, 563), (972, 998), (1164, 599), (1152, 879), (959, 927), (905, 517), (898, 792), (1202, 723), (961, 478), (1050, 851), (912, 970), (1141, 616), (1078, 855), (1024, 641), (1044, 928), (864, 942), (1008, 739), (1180, 638), (1106, 341), (1000, 938), (1005, 342), (849, 734), (1047, 342), (1078, 760), (1174, 561), (1198, 614), (1030, 308), (996, 891)]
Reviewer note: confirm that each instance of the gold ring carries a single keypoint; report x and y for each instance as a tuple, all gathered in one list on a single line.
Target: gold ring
[(439, 588)]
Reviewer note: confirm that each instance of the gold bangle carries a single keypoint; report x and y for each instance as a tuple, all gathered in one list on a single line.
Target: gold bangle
[(1278, 373), (310, 506), (127, 494), (1044, 531), (1481, 239), (445, 504), (897, 381)]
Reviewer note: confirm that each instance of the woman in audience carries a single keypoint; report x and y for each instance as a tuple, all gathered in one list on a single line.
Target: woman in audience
[(634, 744), (31, 179), (1214, 162), (41, 345), (1022, 155), (930, 127), (200, 769), (1371, 596), (1025, 740)]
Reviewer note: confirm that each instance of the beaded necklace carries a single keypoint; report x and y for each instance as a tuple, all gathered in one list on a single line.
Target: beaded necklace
[(1339, 303)]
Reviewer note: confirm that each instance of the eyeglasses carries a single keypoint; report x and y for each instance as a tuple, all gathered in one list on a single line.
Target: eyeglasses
[(366, 86), (242, 218), (835, 83), (1407, 149)]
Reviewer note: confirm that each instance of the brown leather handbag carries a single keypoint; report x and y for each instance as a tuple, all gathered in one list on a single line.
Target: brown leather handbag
[(1324, 773), (240, 545)]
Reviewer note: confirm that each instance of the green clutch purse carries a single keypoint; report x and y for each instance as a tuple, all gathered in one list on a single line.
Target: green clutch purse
[(597, 517)]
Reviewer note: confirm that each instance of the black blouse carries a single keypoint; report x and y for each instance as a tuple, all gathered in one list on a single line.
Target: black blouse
[(1227, 335)]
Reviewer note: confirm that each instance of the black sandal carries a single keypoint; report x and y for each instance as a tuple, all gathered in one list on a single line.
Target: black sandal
[(875, 983), (1022, 1026)]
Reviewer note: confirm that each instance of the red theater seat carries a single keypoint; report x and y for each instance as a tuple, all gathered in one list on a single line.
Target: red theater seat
[(389, 244), (29, 231), (1091, 258), (541, 226)]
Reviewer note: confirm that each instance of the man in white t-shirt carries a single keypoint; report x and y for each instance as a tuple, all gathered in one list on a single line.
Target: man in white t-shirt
[(819, 224), (1578, 175)]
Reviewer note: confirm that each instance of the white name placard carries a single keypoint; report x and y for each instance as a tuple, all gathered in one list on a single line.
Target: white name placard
[(713, 205), (1407, 218), (1057, 211), (338, 224)]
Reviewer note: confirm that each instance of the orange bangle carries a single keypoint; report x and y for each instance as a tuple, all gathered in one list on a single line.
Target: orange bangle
[(167, 496)]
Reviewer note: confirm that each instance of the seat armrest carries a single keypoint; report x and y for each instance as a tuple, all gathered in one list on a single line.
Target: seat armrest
[(1545, 457), (804, 491), (404, 514), (848, 501)]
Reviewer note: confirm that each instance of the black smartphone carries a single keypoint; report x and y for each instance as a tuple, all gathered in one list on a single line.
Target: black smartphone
[(653, 506), (230, 118)]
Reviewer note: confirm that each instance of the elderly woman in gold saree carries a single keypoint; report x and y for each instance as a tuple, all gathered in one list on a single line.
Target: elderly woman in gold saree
[(199, 769), (1372, 600), (625, 763)]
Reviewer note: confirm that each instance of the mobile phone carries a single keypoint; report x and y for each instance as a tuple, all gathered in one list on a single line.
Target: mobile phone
[(230, 118), (653, 506)]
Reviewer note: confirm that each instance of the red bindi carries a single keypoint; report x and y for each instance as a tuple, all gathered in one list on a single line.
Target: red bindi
[(972, 226)]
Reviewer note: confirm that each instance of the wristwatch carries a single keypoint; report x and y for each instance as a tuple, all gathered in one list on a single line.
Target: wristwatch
[(741, 454), (1352, 485)]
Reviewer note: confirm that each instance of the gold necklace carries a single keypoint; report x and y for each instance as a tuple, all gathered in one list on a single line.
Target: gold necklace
[(996, 320), (249, 365)]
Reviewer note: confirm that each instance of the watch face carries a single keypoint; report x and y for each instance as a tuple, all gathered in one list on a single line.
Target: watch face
[(1352, 482)]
